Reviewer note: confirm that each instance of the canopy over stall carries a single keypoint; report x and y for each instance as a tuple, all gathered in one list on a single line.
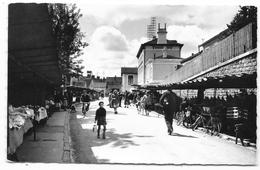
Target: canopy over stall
[(32, 55)]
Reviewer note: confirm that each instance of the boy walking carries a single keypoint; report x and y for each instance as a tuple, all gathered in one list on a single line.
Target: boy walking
[(100, 118)]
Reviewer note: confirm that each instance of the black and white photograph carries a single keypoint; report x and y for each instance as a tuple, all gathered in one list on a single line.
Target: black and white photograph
[(130, 84)]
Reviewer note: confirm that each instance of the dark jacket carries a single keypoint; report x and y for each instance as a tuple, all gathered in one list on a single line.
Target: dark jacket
[(85, 98), (169, 102), (101, 116)]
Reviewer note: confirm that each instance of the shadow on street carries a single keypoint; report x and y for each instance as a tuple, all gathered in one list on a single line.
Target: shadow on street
[(181, 135), (84, 139)]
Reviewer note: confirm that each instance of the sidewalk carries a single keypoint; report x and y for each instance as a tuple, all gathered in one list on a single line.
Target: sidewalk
[(52, 144)]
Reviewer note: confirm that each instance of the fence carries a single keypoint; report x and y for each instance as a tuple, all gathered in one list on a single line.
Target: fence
[(232, 46)]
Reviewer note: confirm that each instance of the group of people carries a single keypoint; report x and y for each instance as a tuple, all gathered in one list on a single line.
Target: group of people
[(145, 102)]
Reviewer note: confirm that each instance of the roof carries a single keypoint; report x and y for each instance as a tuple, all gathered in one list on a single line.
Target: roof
[(128, 70), (244, 66), (154, 42), (238, 74), (168, 57), (32, 52)]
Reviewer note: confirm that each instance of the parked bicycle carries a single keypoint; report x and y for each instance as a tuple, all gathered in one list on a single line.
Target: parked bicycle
[(208, 121), (185, 117)]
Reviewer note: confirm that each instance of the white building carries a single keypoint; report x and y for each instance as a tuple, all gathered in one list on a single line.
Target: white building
[(129, 78), (158, 58)]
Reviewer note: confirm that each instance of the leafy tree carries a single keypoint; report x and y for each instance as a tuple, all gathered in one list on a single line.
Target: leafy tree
[(245, 15), (69, 38)]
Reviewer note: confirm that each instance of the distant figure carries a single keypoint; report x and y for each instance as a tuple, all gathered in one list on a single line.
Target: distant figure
[(100, 118), (110, 99), (86, 102), (126, 99), (115, 100), (120, 98), (148, 104), (169, 102)]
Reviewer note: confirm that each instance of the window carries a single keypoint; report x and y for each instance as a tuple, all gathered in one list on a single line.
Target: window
[(130, 79)]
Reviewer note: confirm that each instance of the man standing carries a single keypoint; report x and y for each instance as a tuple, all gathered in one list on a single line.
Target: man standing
[(169, 102), (86, 102), (100, 118)]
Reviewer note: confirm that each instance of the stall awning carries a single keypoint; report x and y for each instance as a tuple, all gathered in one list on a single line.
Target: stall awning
[(32, 54)]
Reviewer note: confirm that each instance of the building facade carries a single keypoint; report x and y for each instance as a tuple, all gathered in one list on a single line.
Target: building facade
[(129, 78), (157, 58), (98, 84), (113, 83), (80, 82)]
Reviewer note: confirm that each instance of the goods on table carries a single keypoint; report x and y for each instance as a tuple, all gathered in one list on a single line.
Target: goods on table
[(18, 116)]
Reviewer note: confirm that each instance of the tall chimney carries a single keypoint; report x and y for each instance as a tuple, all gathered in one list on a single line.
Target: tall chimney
[(162, 35)]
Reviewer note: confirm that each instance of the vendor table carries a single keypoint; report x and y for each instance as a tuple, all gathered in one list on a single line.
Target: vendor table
[(16, 136)]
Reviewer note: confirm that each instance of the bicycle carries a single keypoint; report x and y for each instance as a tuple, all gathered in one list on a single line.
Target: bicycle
[(208, 121), (185, 117)]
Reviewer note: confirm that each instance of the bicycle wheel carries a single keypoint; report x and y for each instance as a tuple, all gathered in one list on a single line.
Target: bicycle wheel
[(187, 122), (196, 123)]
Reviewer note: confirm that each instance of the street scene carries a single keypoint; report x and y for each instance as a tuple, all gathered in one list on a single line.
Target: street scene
[(132, 84), (133, 138)]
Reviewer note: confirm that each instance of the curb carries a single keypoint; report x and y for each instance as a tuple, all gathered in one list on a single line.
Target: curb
[(67, 149), (230, 138)]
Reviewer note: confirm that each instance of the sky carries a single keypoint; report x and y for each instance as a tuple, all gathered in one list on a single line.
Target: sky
[(115, 32)]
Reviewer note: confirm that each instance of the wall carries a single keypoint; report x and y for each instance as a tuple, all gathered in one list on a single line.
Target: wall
[(149, 72), (145, 71), (97, 85), (140, 72), (149, 51), (162, 67), (125, 85), (230, 47)]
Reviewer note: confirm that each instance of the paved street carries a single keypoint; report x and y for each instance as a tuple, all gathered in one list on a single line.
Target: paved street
[(138, 139)]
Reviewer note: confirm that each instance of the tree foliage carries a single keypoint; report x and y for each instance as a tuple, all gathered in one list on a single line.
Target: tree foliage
[(69, 38), (245, 15)]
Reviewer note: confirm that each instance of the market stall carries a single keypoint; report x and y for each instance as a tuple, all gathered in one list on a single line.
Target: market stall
[(33, 71), (229, 91)]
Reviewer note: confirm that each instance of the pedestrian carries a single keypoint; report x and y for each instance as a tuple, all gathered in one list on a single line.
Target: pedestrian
[(148, 104), (126, 99), (169, 102), (143, 103), (100, 119), (86, 102), (115, 100), (110, 99), (120, 98)]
